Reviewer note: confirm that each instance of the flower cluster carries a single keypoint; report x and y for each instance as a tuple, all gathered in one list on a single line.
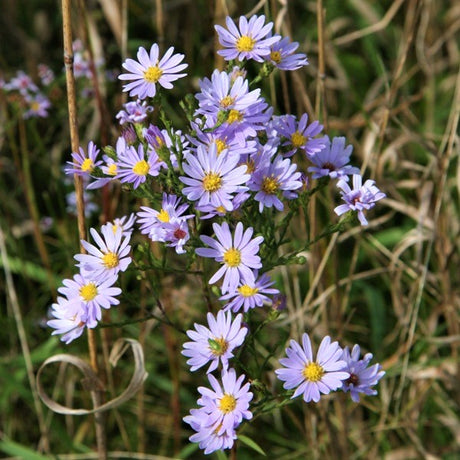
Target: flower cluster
[(240, 165), (81, 298), (332, 369)]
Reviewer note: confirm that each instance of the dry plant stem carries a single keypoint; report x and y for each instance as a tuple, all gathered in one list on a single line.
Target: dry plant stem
[(11, 291), (73, 125), (320, 88)]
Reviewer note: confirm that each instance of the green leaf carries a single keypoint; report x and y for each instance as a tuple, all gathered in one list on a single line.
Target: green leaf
[(252, 444), (188, 450), (12, 448), (221, 455)]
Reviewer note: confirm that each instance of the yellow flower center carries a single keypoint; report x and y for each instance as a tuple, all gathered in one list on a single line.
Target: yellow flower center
[(110, 260), (227, 403), (234, 115), (221, 145), (35, 106), (297, 139), (112, 169), (275, 56), (218, 346), (245, 43), (221, 209), (163, 216), (212, 182), (87, 165), (141, 168), (227, 101), (153, 74), (114, 228), (313, 372), (270, 185), (232, 257), (247, 291), (88, 292)]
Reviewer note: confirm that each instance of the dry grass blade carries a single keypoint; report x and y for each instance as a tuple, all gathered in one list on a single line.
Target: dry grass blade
[(93, 383)]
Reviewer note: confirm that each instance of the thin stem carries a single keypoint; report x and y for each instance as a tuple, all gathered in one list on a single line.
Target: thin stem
[(73, 125)]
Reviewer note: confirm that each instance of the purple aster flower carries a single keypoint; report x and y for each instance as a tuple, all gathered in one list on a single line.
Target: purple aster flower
[(216, 343), (154, 137), (309, 376), (209, 211), (282, 55), (208, 436), (237, 254), (250, 294), (84, 162), (109, 169), (38, 106), (152, 222), (250, 41), (362, 377), (212, 178), (333, 160), (227, 404), (133, 167), (69, 319), (125, 223), (273, 180), (46, 74), (360, 198), (110, 256), (94, 292), (134, 112), (221, 94), (22, 83), (300, 135), (224, 139), (176, 234), (90, 206), (150, 70)]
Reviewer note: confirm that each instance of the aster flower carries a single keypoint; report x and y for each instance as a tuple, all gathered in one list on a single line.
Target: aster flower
[(216, 343), (38, 106), (312, 377), (228, 403), (222, 94), (152, 221), (69, 319), (133, 167), (154, 137), (237, 254), (209, 211), (208, 436), (250, 294), (250, 41), (125, 223), (362, 378), (109, 257), (362, 197), (212, 178), (150, 70), (71, 204), (109, 168), (273, 180), (84, 162), (134, 112), (282, 55), (22, 83), (333, 160), (46, 74), (300, 134), (94, 292)]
